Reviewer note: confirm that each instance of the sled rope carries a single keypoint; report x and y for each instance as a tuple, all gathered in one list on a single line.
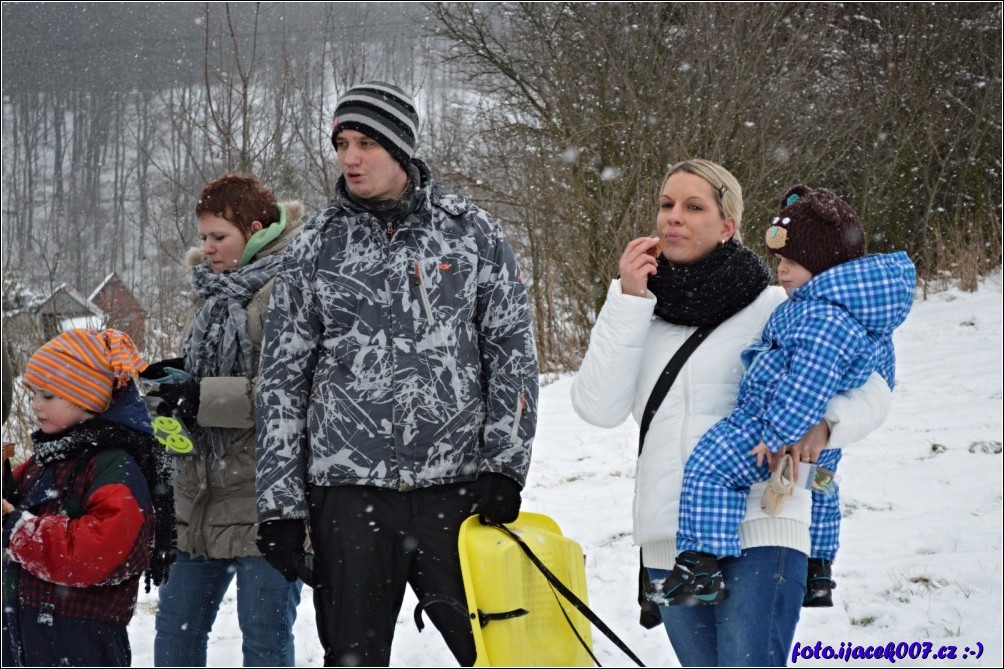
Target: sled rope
[(570, 596)]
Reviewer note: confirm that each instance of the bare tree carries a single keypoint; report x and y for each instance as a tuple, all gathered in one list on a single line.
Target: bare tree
[(584, 106), (560, 117), (925, 80)]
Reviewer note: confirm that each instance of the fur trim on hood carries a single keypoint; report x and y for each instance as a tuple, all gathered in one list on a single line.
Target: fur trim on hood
[(294, 214)]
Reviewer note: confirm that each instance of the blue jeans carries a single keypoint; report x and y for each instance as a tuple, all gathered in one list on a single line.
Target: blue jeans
[(190, 599), (755, 624)]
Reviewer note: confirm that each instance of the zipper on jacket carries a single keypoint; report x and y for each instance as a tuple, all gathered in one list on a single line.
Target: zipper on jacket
[(424, 293), (520, 406)]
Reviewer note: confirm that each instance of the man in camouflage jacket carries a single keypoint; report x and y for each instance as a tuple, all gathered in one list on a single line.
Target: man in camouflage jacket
[(397, 393)]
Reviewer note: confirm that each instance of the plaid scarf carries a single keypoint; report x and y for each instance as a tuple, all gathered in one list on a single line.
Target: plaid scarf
[(218, 344)]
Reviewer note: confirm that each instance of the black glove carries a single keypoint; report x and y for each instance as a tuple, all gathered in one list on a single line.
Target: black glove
[(181, 399), (158, 370), (281, 544), (498, 497)]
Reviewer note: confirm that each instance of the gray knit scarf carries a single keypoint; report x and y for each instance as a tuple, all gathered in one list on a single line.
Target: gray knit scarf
[(218, 344)]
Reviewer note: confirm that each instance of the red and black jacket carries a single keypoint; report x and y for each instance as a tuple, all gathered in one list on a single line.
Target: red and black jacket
[(81, 535)]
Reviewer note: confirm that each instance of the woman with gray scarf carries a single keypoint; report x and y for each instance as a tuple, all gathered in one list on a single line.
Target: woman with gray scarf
[(244, 231)]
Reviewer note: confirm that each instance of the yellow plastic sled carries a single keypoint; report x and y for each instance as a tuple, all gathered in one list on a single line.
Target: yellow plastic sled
[(518, 618)]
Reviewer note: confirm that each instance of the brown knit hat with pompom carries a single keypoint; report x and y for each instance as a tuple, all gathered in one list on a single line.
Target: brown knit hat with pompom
[(816, 229)]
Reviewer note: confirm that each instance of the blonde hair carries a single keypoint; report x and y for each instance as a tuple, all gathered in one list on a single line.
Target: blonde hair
[(728, 192)]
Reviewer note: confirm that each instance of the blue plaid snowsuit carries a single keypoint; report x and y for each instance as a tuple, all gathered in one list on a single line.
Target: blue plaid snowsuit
[(826, 339)]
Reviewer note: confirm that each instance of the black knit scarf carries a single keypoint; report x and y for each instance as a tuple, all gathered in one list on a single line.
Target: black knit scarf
[(90, 435), (710, 290)]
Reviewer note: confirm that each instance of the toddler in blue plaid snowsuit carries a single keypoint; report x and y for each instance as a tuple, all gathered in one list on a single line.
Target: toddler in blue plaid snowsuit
[(832, 333)]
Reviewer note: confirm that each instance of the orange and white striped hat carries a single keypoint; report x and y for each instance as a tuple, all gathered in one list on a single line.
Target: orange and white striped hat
[(84, 367)]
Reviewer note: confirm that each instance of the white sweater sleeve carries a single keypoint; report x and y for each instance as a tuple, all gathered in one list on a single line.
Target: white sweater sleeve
[(603, 391), (855, 414)]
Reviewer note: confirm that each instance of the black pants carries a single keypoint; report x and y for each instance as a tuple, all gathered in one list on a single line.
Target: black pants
[(52, 641), (369, 543)]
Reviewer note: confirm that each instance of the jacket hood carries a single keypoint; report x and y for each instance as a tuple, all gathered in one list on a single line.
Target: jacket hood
[(129, 410), (877, 290), (294, 220)]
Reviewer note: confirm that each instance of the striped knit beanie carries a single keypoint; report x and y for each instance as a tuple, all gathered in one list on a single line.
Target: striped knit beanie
[(383, 112), (84, 367)]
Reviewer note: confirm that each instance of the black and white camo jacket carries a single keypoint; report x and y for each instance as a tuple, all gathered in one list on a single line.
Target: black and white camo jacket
[(398, 357)]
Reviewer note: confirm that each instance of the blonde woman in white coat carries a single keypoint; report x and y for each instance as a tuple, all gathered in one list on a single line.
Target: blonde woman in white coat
[(704, 275)]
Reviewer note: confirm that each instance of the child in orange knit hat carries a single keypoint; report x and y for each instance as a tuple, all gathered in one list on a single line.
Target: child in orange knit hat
[(79, 523)]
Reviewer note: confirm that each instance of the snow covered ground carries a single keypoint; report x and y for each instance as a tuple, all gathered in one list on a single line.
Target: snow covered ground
[(921, 556)]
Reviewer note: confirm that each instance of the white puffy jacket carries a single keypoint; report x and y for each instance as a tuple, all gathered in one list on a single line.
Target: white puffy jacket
[(628, 350)]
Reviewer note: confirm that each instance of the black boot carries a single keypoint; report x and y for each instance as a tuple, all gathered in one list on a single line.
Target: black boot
[(820, 584), (696, 579)]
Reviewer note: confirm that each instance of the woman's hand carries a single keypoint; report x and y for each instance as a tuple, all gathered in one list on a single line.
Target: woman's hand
[(808, 448), (637, 265), (763, 453)]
